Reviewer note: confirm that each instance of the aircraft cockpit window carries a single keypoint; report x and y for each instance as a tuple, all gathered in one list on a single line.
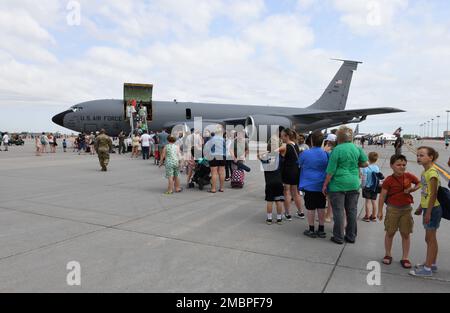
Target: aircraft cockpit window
[(77, 109)]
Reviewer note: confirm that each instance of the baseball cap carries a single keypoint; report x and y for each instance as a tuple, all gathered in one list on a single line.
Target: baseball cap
[(331, 137)]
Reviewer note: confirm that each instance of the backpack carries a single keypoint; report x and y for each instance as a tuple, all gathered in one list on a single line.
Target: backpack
[(444, 200), (376, 184)]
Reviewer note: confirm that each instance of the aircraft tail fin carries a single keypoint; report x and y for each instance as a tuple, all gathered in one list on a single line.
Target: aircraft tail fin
[(335, 96)]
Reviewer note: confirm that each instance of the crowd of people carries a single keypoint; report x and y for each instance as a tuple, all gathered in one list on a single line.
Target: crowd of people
[(325, 173)]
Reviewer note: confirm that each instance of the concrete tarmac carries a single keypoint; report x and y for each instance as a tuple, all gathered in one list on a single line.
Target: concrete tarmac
[(129, 237)]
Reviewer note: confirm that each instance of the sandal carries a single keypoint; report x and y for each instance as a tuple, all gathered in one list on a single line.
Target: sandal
[(168, 193), (406, 264), (387, 260), (221, 190), (210, 191), (178, 191)]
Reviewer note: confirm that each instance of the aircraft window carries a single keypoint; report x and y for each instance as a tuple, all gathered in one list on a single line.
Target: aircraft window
[(77, 109), (188, 114)]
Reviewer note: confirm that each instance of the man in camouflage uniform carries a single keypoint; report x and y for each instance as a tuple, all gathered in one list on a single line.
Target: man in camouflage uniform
[(103, 144)]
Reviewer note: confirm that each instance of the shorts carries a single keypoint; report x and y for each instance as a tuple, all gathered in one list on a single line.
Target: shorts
[(217, 163), (172, 171), (436, 216), (399, 219), (315, 200), (274, 193), (369, 194)]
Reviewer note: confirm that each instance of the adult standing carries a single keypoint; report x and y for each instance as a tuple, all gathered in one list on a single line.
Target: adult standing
[(398, 144), (162, 140), (5, 140), (215, 147), (122, 148), (103, 145), (313, 164), (343, 183), (145, 142), (229, 159), (135, 143), (290, 172)]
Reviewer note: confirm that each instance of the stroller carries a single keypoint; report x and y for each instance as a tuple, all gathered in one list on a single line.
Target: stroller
[(202, 174)]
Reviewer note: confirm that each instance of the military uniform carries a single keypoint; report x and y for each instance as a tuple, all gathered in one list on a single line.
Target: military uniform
[(103, 144)]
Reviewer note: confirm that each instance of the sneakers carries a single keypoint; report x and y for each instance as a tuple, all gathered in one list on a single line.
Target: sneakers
[(288, 217), (270, 222), (434, 268), (321, 234), (300, 215), (310, 234), (336, 241), (421, 272)]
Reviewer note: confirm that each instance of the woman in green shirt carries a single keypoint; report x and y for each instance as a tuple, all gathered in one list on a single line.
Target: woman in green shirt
[(343, 183)]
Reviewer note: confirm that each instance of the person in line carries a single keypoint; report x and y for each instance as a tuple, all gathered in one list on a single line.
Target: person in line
[(290, 172), (162, 141), (342, 184), (145, 143), (270, 162), (103, 145), (135, 143), (229, 158), (396, 193), (170, 157), (64, 144), (431, 210), (329, 144), (369, 191), (216, 148), (447, 142), (313, 164)]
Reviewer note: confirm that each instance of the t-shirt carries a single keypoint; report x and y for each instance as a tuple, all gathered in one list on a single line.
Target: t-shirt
[(145, 140), (396, 186), (6, 139), (314, 164), (215, 146), (162, 139), (367, 174), (272, 171), (344, 167), (425, 184)]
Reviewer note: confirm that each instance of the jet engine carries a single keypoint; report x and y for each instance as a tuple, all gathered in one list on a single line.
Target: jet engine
[(262, 127)]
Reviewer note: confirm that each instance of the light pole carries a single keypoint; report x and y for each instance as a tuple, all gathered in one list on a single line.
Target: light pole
[(428, 129), (432, 127), (438, 126), (448, 111)]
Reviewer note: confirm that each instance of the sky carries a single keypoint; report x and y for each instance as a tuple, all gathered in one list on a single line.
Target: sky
[(57, 53)]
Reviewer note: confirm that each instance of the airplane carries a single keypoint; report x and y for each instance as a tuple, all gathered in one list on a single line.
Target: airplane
[(327, 111)]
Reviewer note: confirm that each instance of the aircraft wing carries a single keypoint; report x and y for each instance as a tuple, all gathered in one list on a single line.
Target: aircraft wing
[(347, 113)]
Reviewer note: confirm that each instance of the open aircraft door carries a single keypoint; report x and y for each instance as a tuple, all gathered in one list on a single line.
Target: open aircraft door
[(137, 103)]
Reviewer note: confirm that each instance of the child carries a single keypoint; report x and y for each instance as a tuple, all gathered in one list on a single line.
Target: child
[(274, 183), (64, 145), (313, 164), (431, 209), (171, 158), (369, 190), (396, 192)]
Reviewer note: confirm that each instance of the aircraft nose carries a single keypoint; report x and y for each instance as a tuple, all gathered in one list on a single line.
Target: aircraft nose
[(59, 118)]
